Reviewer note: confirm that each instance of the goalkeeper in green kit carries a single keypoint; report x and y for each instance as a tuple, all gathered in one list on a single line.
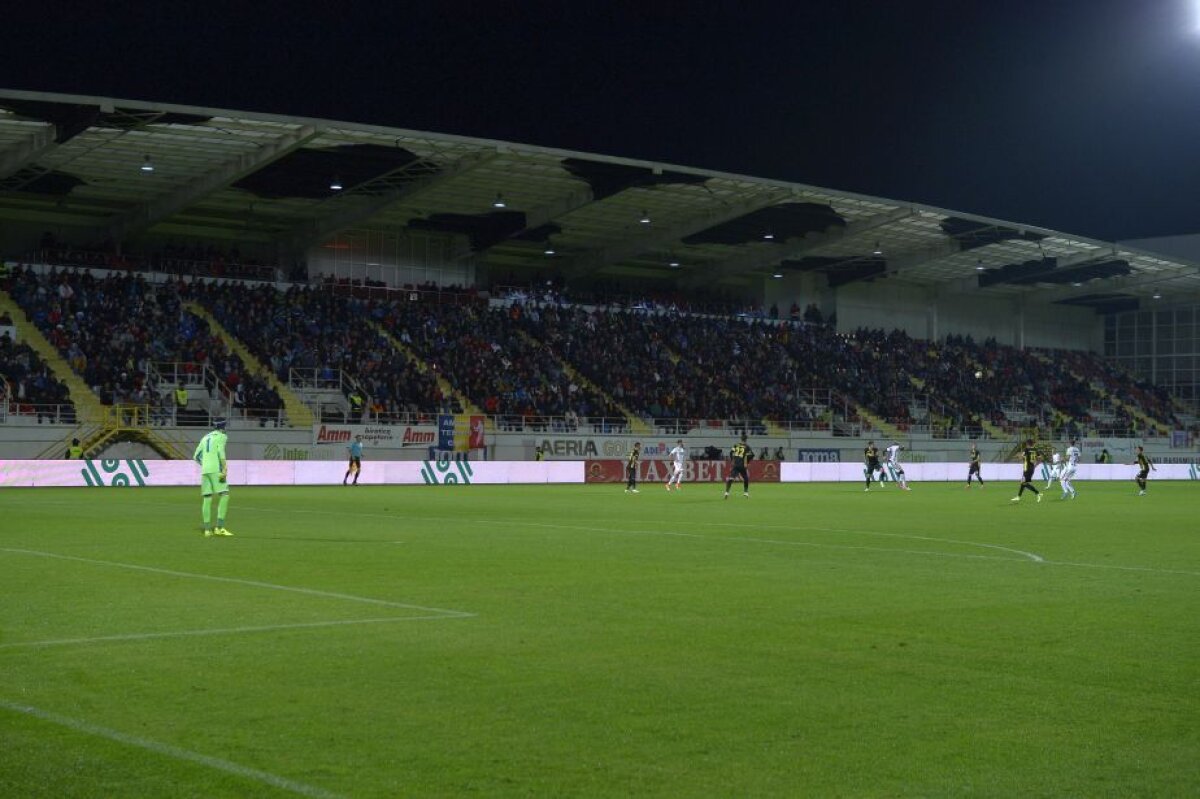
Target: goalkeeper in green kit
[(214, 471)]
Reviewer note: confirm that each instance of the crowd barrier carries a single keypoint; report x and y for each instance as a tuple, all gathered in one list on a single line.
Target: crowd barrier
[(106, 472)]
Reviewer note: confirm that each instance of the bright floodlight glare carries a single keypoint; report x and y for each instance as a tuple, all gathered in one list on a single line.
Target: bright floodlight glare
[(777, 274)]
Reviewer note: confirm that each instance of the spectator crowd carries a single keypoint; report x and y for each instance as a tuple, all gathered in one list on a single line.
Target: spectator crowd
[(540, 360)]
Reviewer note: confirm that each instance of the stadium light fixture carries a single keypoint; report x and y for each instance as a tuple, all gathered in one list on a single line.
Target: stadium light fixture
[(674, 264), (777, 275), (769, 236), (1157, 295), (147, 165), (499, 201), (979, 265), (878, 249), (1076, 284), (645, 218), (335, 184), (549, 249)]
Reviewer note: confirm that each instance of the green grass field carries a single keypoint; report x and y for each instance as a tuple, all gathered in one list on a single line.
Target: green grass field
[(577, 641)]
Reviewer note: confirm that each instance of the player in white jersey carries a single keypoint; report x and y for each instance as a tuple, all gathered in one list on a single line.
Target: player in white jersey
[(1067, 472), (1054, 469), (893, 465), (678, 459)]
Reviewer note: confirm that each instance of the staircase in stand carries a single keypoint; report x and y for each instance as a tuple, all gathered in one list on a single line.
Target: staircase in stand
[(299, 414), (422, 367), (889, 430), (636, 423), (86, 401), (116, 423)]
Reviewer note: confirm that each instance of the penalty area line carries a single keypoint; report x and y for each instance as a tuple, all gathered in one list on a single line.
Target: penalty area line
[(238, 581), (266, 628), (167, 750), (1025, 556)]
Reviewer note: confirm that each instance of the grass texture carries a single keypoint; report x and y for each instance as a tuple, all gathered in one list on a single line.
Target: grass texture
[(812, 640)]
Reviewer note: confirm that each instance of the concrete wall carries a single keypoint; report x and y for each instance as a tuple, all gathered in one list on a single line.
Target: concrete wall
[(930, 313), (396, 258)]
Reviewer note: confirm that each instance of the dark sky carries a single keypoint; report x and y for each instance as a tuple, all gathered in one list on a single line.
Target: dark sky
[(1077, 116)]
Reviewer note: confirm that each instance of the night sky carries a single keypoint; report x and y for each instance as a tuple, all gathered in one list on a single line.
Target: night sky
[(1077, 116)]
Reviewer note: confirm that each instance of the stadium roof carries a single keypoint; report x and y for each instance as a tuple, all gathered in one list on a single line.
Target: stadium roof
[(120, 169)]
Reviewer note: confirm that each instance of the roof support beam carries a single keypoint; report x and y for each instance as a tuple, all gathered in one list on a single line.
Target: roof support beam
[(545, 214), (147, 215), (314, 231), (765, 256), (661, 238), (1130, 282), (27, 152)]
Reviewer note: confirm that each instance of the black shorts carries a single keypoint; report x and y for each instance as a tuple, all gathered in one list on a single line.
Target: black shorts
[(1028, 478), (873, 465), (1143, 474), (739, 471), (974, 469)]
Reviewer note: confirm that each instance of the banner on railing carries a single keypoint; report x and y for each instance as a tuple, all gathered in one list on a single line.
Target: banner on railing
[(478, 437), (818, 455), (377, 435), (445, 431)]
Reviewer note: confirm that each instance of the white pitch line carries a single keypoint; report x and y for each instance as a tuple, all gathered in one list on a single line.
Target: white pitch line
[(269, 628), (238, 581), (1032, 556), (1120, 568), (778, 542), (236, 769), (1029, 555)]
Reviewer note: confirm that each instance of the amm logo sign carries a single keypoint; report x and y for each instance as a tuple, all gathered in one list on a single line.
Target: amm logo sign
[(446, 472), (136, 471)]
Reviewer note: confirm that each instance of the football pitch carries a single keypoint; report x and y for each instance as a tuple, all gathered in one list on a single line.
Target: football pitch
[(812, 640)]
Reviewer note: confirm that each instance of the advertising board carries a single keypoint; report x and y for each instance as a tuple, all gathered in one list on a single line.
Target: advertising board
[(613, 471), (138, 473)]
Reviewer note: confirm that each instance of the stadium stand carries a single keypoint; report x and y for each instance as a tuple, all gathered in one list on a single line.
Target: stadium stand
[(515, 361), (305, 332), (122, 335), (28, 385)]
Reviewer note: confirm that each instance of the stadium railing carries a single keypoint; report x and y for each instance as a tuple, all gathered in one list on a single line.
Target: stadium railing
[(218, 267), (19, 411), (347, 288)]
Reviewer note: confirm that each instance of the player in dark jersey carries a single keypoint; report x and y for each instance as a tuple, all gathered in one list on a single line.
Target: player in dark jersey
[(871, 459), (1029, 462), (631, 468), (973, 470), (740, 454), (1144, 466)]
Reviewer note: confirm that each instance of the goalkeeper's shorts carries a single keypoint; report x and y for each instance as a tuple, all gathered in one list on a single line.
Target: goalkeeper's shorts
[(212, 484)]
